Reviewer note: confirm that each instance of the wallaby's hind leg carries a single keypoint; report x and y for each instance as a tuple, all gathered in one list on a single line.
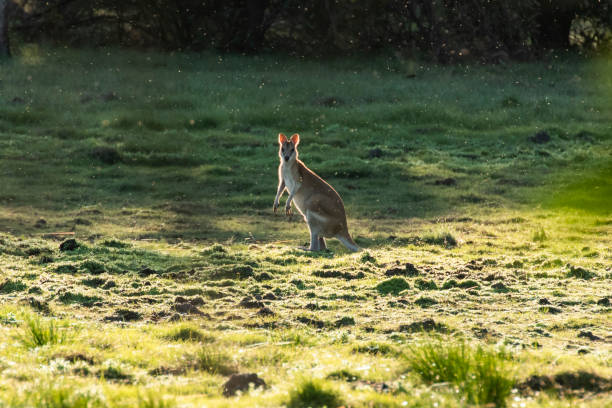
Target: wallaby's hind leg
[(314, 239), (322, 246)]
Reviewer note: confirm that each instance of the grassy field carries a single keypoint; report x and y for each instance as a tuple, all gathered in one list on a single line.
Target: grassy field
[(481, 195)]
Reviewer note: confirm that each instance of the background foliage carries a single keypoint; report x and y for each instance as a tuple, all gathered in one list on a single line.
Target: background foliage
[(445, 30)]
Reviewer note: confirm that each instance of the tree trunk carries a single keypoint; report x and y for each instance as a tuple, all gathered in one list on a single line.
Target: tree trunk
[(5, 50)]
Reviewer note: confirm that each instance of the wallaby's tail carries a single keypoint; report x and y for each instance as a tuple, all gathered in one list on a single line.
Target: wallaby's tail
[(348, 242)]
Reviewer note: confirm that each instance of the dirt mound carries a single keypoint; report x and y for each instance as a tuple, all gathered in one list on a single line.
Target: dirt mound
[(426, 325), (408, 270), (242, 382), (577, 383)]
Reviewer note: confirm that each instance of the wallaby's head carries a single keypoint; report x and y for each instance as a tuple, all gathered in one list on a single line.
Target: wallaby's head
[(288, 147)]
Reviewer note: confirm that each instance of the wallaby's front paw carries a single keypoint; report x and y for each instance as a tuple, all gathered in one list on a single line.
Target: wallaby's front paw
[(288, 211), (275, 207)]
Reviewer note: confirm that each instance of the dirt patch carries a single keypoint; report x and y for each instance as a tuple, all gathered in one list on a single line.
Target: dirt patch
[(408, 270), (74, 357), (37, 304), (330, 101), (446, 182), (540, 138), (427, 325), (265, 312), (233, 272), (375, 153), (123, 315), (339, 274), (588, 335), (573, 383), (319, 324), (251, 303)]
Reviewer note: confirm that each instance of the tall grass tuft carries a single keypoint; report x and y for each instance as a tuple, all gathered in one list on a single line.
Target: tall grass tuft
[(186, 333), (37, 332), (539, 236), (314, 393), (63, 396), (153, 400), (443, 238), (214, 362), (482, 376)]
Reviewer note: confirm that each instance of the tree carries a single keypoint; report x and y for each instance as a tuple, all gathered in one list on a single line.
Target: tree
[(5, 49)]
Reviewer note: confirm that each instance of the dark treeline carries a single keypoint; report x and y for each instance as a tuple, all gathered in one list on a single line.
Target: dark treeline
[(443, 30)]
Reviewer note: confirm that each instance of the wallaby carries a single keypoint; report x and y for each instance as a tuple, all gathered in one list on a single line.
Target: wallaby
[(316, 200)]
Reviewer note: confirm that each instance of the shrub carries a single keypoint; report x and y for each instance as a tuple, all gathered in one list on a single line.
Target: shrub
[(314, 393), (482, 376)]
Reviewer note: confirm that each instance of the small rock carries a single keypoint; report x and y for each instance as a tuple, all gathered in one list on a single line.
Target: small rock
[(375, 153), (540, 137), (242, 382), (544, 301), (69, 245), (588, 335)]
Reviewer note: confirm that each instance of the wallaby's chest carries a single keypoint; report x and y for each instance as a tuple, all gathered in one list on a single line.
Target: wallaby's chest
[(292, 178)]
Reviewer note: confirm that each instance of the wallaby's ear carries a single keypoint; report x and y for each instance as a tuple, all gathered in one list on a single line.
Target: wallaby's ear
[(282, 138), (295, 139)]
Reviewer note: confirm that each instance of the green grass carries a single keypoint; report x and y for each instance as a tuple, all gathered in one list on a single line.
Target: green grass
[(482, 376), (163, 168)]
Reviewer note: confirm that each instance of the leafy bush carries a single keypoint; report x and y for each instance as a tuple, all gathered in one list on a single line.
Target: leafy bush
[(482, 376)]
